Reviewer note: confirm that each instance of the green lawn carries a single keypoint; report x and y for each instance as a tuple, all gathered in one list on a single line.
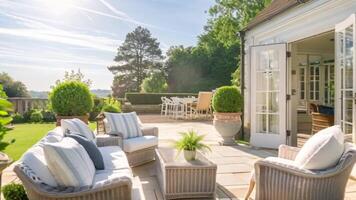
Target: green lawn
[(24, 136)]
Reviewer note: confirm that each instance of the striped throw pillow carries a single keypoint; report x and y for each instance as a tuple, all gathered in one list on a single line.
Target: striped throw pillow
[(77, 126), (69, 163), (124, 124)]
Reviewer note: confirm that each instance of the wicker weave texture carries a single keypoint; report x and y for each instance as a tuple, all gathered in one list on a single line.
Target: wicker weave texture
[(278, 182)]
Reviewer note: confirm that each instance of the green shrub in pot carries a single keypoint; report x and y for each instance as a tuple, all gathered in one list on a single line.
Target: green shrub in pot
[(227, 104), (111, 105), (71, 99), (14, 191)]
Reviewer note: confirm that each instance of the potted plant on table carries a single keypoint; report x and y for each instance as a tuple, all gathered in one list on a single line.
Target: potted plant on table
[(71, 99), (189, 144), (227, 104)]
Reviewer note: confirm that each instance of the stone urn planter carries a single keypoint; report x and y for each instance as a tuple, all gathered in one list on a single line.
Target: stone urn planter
[(189, 155), (227, 104), (84, 118), (5, 161), (227, 125)]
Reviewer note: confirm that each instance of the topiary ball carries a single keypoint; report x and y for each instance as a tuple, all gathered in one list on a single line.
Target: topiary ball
[(71, 98), (14, 191), (227, 99)]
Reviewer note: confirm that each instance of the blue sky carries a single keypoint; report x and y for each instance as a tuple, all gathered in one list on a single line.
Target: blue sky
[(41, 39)]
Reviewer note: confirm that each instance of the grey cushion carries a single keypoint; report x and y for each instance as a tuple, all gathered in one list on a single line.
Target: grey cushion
[(91, 149)]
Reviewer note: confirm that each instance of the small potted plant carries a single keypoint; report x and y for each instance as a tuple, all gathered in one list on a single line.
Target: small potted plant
[(189, 144), (227, 103), (71, 99)]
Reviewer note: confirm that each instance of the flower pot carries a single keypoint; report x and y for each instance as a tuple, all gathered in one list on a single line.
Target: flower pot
[(189, 155), (84, 118), (227, 125)]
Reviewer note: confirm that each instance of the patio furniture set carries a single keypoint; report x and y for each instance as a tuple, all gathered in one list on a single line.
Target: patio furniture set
[(187, 107), (61, 166), (70, 162)]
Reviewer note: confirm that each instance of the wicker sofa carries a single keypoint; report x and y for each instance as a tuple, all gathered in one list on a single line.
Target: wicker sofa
[(280, 181), (114, 182)]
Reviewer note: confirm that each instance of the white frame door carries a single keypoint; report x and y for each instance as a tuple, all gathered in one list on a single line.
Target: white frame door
[(345, 57), (268, 95)]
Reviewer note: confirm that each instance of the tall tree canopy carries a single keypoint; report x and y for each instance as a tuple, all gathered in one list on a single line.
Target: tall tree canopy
[(215, 58), (136, 57), (11, 87)]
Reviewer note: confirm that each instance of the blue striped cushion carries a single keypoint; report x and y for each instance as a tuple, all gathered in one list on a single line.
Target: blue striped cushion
[(77, 126), (69, 163), (124, 124)]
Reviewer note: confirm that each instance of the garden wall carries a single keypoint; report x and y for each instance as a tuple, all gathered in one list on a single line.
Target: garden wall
[(152, 98)]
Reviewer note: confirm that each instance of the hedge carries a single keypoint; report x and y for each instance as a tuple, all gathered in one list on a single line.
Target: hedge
[(136, 98)]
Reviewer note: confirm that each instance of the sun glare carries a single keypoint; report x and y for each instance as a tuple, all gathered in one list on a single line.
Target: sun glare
[(58, 7)]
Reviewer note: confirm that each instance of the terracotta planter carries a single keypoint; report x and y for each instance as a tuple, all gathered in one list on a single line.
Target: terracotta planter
[(189, 155), (227, 125), (84, 118)]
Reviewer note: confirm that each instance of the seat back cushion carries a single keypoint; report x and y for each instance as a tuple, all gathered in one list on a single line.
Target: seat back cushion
[(77, 126), (91, 149), (69, 163), (323, 150), (35, 160), (124, 124)]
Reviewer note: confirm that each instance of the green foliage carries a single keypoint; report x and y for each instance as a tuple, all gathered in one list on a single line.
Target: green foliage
[(27, 115), (11, 87), (48, 116), (137, 56), (36, 116), (98, 106), (2, 92), (75, 76), (111, 105), (152, 98), (191, 141), (227, 99), (14, 191), (156, 82), (5, 118), (236, 76), (71, 98), (17, 118)]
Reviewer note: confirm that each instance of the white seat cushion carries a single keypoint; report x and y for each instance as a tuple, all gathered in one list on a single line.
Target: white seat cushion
[(124, 124), (138, 143), (114, 158), (69, 163), (107, 177), (77, 126), (323, 150), (34, 159)]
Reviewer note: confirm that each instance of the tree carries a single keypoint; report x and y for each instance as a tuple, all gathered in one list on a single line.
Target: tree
[(137, 57), (11, 87), (75, 76), (156, 82), (122, 84)]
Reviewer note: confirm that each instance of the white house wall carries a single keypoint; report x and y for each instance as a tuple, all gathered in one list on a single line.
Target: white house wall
[(305, 20)]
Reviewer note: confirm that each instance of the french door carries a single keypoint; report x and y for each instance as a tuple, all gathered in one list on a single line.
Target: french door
[(346, 76), (268, 95)]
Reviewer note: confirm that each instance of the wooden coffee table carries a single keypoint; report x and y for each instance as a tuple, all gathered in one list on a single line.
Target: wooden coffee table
[(179, 178)]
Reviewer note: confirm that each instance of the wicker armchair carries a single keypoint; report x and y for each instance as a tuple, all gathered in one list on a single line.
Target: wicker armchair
[(280, 181)]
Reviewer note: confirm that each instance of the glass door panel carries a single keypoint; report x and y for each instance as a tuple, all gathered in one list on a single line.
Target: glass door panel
[(268, 95), (346, 76)]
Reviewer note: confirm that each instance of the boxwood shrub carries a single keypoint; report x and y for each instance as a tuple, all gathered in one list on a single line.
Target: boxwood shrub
[(227, 99), (36, 116), (71, 98), (136, 98), (14, 191)]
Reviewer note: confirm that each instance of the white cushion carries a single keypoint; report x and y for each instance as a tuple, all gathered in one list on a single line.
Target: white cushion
[(114, 158), (34, 158), (323, 150), (138, 143), (77, 126), (124, 124), (69, 163), (107, 177)]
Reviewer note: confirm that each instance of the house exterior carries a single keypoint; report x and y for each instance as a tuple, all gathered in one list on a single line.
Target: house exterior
[(295, 53)]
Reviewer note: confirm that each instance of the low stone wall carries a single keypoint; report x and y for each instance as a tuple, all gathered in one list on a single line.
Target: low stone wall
[(141, 109)]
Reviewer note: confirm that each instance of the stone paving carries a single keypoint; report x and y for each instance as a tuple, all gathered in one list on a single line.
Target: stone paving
[(234, 162)]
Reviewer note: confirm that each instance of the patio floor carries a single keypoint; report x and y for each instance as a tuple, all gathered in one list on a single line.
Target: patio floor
[(234, 162)]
